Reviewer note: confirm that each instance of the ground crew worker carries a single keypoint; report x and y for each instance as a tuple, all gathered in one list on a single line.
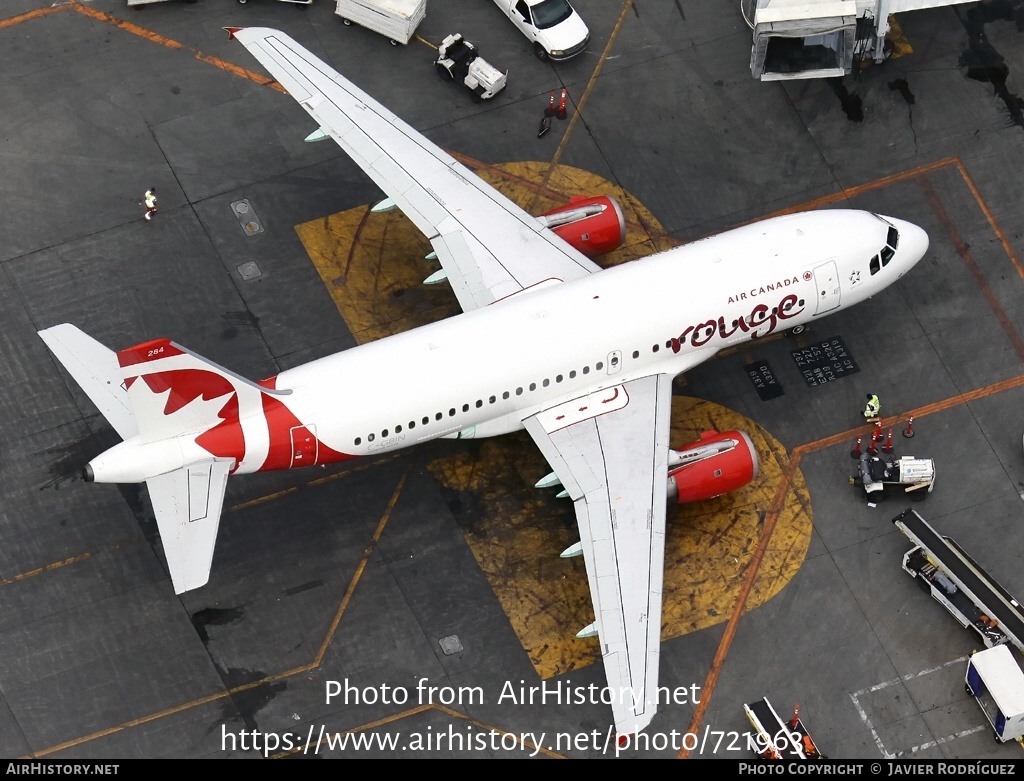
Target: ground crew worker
[(150, 200), (873, 408), (810, 750)]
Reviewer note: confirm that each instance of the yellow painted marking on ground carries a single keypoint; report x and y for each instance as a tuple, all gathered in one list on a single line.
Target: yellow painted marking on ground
[(516, 534), (29, 15), (900, 45), (373, 265), (860, 189), (127, 26), (346, 599), (262, 499), (788, 557), (66, 562), (919, 174), (172, 44), (740, 606), (362, 467), (591, 82), (358, 574), (1007, 247), (47, 568), (126, 725)]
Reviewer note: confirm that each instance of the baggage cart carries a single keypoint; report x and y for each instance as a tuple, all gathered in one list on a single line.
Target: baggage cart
[(397, 19)]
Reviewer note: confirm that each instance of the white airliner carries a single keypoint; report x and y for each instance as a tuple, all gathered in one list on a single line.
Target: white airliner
[(580, 357)]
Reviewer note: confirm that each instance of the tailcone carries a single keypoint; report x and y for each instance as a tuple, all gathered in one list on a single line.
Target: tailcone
[(134, 461)]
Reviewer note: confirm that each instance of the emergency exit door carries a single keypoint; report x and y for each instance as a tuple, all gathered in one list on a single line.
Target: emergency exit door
[(304, 446), (826, 277)]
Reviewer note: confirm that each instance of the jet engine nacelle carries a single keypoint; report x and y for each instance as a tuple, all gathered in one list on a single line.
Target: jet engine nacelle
[(715, 464), (594, 226)]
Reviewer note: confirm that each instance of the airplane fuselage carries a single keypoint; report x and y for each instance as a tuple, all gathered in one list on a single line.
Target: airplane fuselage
[(482, 372), (667, 313)]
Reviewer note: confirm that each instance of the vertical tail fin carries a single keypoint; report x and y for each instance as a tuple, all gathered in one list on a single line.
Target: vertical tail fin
[(159, 390), (174, 391)]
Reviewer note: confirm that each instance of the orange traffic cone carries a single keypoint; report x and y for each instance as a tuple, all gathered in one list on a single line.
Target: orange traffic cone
[(561, 104)]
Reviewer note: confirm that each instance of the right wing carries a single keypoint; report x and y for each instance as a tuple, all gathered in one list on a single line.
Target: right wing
[(488, 246), (610, 451)]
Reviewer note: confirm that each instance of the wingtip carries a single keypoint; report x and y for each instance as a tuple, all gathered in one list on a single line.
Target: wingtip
[(231, 32)]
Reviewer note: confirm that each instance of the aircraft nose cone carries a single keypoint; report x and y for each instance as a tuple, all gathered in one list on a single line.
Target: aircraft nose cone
[(913, 242)]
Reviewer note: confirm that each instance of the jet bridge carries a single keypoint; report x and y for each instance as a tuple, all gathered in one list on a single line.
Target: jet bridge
[(812, 39), (956, 581)]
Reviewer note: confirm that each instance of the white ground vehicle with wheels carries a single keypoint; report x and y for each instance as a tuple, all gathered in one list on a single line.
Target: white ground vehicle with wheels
[(458, 60), (555, 28)]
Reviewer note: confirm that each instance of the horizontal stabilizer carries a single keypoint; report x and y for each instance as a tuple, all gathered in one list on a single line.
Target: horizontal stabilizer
[(187, 503), (96, 370)]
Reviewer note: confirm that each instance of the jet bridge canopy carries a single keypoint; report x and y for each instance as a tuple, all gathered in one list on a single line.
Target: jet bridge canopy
[(809, 39), (802, 39)]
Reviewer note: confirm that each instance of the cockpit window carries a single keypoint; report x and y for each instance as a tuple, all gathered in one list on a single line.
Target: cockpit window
[(876, 266), (887, 254), (893, 239)]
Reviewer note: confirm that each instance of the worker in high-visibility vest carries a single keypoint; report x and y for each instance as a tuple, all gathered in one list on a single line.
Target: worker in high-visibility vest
[(150, 201), (873, 408)]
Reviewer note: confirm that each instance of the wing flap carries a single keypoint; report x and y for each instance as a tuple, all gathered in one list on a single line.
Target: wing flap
[(438, 194), (615, 466)]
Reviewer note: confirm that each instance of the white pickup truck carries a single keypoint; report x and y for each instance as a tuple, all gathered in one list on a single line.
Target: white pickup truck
[(555, 28)]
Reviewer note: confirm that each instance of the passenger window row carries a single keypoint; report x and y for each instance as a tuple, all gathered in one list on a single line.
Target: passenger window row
[(670, 344), (452, 412)]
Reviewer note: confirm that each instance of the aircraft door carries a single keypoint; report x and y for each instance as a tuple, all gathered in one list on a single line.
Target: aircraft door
[(614, 361), (826, 277), (304, 446)]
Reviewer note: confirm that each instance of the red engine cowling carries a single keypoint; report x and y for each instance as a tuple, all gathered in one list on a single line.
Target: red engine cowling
[(594, 226), (715, 464)]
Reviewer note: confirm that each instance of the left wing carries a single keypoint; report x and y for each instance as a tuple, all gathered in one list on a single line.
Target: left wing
[(610, 451), (488, 246)]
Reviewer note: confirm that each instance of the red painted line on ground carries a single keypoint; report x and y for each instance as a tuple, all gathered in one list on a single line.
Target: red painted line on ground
[(964, 251), (217, 62), (31, 15)]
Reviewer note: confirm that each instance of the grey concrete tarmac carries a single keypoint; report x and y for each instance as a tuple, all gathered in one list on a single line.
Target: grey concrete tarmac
[(103, 660)]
